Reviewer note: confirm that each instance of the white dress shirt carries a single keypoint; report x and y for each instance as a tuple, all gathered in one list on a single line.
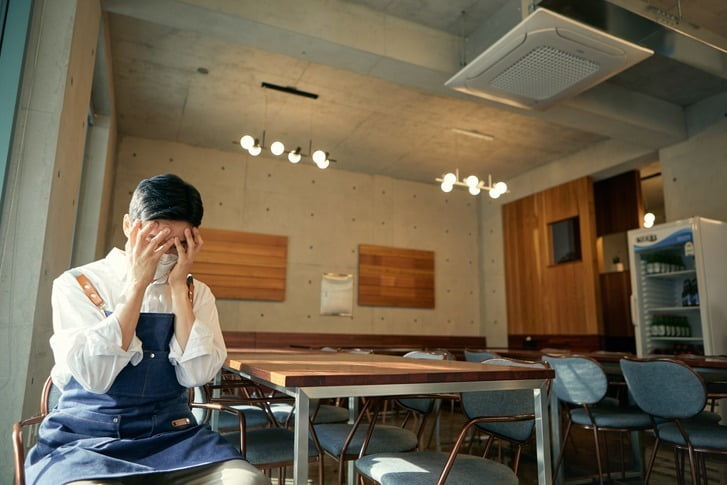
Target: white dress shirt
[(87, 344)]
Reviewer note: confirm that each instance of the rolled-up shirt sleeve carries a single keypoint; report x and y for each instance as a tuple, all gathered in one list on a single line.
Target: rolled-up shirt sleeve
[(86, 343), (205, 352)]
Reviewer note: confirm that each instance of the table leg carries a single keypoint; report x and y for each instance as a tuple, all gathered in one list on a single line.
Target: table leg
[(555, 435), (542, 435), (352, 414), (302, 421), (215, 416)]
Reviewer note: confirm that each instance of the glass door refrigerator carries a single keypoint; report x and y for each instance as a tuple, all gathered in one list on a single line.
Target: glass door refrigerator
[(679, 285)]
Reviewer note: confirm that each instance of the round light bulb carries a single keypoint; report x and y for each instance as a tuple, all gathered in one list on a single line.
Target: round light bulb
[(319, 156), (277, 148), (472, 181), (449, 179), (247, 141), (255, 150), (501, 187), (446, 187), (294, 156), (494, 193), (474, 190), (649, 219), (324, 164)]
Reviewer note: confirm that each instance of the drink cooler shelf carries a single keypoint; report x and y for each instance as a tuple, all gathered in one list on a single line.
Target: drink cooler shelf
[(673, 274), (673, 309), (678, 339)]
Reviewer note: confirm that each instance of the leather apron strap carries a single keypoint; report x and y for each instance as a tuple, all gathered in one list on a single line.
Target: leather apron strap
[(89, 289)]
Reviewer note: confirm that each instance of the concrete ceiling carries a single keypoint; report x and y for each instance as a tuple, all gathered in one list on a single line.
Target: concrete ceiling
[(191, 71)]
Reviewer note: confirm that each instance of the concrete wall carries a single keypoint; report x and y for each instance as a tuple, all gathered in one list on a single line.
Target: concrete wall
[(326, 215), (695, 173), (39, 205)]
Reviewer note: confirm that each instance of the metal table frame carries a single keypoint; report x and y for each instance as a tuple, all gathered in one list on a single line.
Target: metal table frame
[(303, 396)]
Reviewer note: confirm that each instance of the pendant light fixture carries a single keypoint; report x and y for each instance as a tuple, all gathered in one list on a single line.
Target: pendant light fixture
[(254, 147), (474, 185)]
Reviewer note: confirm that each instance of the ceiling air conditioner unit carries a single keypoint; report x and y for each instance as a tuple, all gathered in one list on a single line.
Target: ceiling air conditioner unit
[(545, 58)]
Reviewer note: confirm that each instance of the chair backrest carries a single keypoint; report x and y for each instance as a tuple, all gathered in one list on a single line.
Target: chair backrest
[(360, 351), (578, 379), (50, 397), (664, 388), (25, 432), (478, 355), (429, 354), (503, 403), (420, 405)]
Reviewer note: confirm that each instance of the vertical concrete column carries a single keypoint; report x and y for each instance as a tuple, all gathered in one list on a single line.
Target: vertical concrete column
[(44, 171)]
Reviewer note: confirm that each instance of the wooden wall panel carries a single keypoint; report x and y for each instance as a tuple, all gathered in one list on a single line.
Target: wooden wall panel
[(615, 292), (398, 344), (243, 265), (545, 298), (523, 262), (619, 203), (395, 277)]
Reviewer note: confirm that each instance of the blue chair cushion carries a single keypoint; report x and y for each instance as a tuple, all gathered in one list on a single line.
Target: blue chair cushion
[(702, 435), (268, 445), (424, 468), (386, 438), (254, 417), (326, 413), (609, 417), (706, 417)]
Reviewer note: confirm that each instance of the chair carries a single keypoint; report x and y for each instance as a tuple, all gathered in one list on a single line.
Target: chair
[(478, 355), (345, 441), (503, 403), (424, 407), (504, 413), (581, 382), (284, 413), (29, 427), (670, 390), (266, 448), (26, 431), (256, 415)]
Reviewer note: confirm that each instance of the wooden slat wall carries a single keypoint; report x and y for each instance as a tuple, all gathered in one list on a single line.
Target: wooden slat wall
[(545, 298), (243, 265), (395, 277)]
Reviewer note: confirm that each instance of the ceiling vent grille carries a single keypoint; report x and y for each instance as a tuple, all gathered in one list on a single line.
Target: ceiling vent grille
[(545, 58)]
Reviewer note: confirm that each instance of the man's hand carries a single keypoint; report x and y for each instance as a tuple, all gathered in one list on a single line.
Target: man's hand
[(144, 251), (187, 253)]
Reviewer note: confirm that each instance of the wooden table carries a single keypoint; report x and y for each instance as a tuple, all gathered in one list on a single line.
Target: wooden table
[(308, 375)]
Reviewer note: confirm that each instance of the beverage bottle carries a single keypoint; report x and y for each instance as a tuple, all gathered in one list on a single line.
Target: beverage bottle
[(686, 293), (694, 294)]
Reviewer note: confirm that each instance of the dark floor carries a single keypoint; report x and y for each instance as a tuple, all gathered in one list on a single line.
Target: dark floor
[(580, 458)]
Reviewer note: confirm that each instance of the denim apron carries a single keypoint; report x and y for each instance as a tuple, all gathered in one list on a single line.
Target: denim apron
[(142, 424)]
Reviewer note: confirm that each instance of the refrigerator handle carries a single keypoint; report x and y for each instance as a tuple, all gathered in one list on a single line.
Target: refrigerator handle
[(634, 311)]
